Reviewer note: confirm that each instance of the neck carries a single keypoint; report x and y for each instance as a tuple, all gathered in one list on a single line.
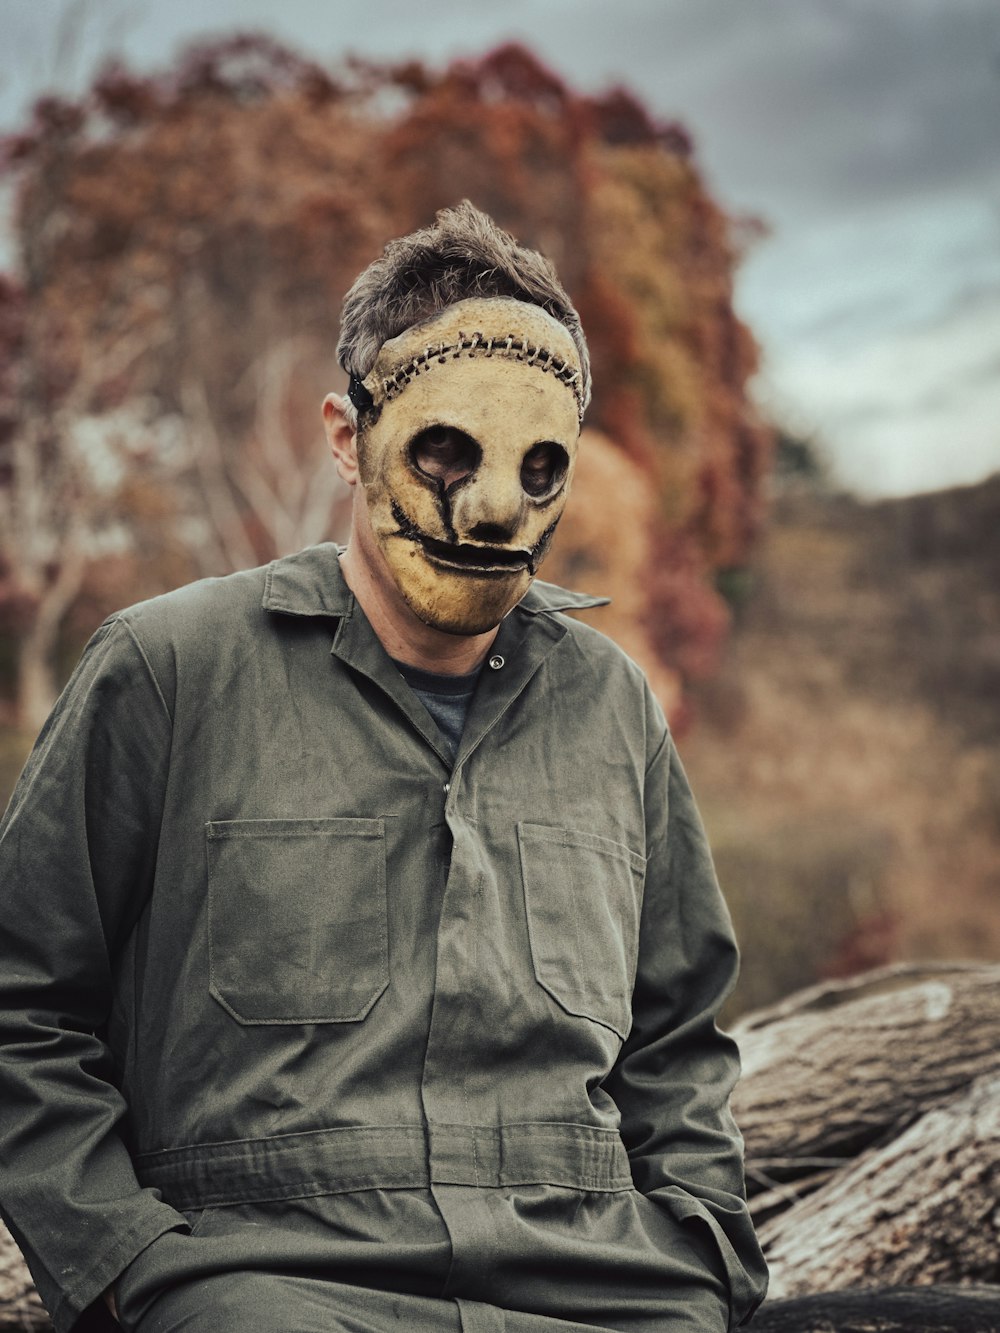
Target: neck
[(401, 634)]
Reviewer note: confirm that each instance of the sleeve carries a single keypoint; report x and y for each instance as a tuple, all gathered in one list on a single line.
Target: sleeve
[(675, 1073), (77, 849)]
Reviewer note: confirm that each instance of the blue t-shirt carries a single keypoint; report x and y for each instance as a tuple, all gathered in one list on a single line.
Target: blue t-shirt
[(446, 698)]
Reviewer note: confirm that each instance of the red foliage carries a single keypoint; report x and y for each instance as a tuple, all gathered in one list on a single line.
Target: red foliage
[(124, 97), (511, 73), (686, 619), (227, 203), (246, 67), (619, 118)]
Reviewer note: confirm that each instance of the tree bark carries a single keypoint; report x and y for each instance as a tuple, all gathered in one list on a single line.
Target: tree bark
[(885, 1310), (841, 1068), (20, 1307), (922, 1209)]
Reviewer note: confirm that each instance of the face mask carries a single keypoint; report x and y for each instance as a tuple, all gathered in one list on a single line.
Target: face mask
[(466, 455)]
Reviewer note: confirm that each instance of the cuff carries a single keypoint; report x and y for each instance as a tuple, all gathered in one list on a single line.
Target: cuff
[(165, 1263), (746, 1278), (77, 1298)]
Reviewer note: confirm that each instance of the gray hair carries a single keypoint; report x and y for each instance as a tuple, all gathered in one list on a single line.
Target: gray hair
[(463, 255)]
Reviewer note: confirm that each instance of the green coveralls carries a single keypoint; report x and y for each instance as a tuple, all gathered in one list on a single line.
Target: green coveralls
[(296, 1014)]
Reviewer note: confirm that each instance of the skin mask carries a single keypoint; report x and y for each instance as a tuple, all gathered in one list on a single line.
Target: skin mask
[(466, 456)]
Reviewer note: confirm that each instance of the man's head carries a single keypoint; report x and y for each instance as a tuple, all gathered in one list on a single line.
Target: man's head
[(469, 376)]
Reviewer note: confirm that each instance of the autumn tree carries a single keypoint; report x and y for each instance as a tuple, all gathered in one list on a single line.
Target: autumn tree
[(194, 231), (68, 442)]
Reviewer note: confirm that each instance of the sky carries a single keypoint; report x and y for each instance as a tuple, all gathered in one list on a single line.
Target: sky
[(865, 134)]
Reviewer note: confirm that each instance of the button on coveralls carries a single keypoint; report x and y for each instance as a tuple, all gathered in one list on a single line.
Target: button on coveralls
[(304, 1028)]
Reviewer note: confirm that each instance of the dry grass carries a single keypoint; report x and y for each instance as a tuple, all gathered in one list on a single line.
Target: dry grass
[(845, 759)]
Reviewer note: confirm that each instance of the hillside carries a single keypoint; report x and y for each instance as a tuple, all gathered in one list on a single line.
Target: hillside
[(847, 755)]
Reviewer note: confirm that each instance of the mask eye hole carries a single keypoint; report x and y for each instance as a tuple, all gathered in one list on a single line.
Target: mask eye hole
[(445, 454), (543, 469)]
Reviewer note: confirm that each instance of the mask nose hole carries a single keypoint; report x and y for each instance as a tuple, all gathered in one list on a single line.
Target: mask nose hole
[(494, 533)]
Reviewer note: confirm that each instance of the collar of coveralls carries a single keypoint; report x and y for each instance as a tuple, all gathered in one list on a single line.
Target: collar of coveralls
[(311, 583)]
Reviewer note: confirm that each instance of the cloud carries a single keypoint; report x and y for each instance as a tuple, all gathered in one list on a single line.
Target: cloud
[(872, 270), (908, 410)]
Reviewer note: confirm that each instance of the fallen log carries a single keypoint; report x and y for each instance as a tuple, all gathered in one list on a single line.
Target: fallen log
[(20, 1307), (923, 1209), (837, 1069), (944, 1309)]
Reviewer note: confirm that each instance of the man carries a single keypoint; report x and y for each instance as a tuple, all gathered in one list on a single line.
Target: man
[(361, 945)]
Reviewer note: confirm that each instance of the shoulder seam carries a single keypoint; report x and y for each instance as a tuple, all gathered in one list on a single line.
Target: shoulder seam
[(119, 620), (664, 743)]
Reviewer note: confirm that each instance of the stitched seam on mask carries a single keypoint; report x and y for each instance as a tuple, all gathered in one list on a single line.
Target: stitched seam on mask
[(509, 346)]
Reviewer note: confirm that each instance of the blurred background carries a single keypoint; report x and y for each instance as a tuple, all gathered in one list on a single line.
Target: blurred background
[(781, 225)]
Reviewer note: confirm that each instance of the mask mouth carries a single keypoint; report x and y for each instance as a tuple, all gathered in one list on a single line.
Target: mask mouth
[(471, 559), (465, 557)]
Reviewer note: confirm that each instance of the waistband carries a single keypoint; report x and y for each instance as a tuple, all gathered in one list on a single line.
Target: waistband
[(364, 1157)]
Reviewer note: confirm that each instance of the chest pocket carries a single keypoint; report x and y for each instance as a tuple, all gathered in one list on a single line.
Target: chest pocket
[(583, 895), (297, 918)]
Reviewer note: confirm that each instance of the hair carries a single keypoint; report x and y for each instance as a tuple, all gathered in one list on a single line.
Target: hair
[(463, 255)]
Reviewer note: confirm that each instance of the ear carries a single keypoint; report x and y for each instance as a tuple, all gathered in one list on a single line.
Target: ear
[(343, 440)]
